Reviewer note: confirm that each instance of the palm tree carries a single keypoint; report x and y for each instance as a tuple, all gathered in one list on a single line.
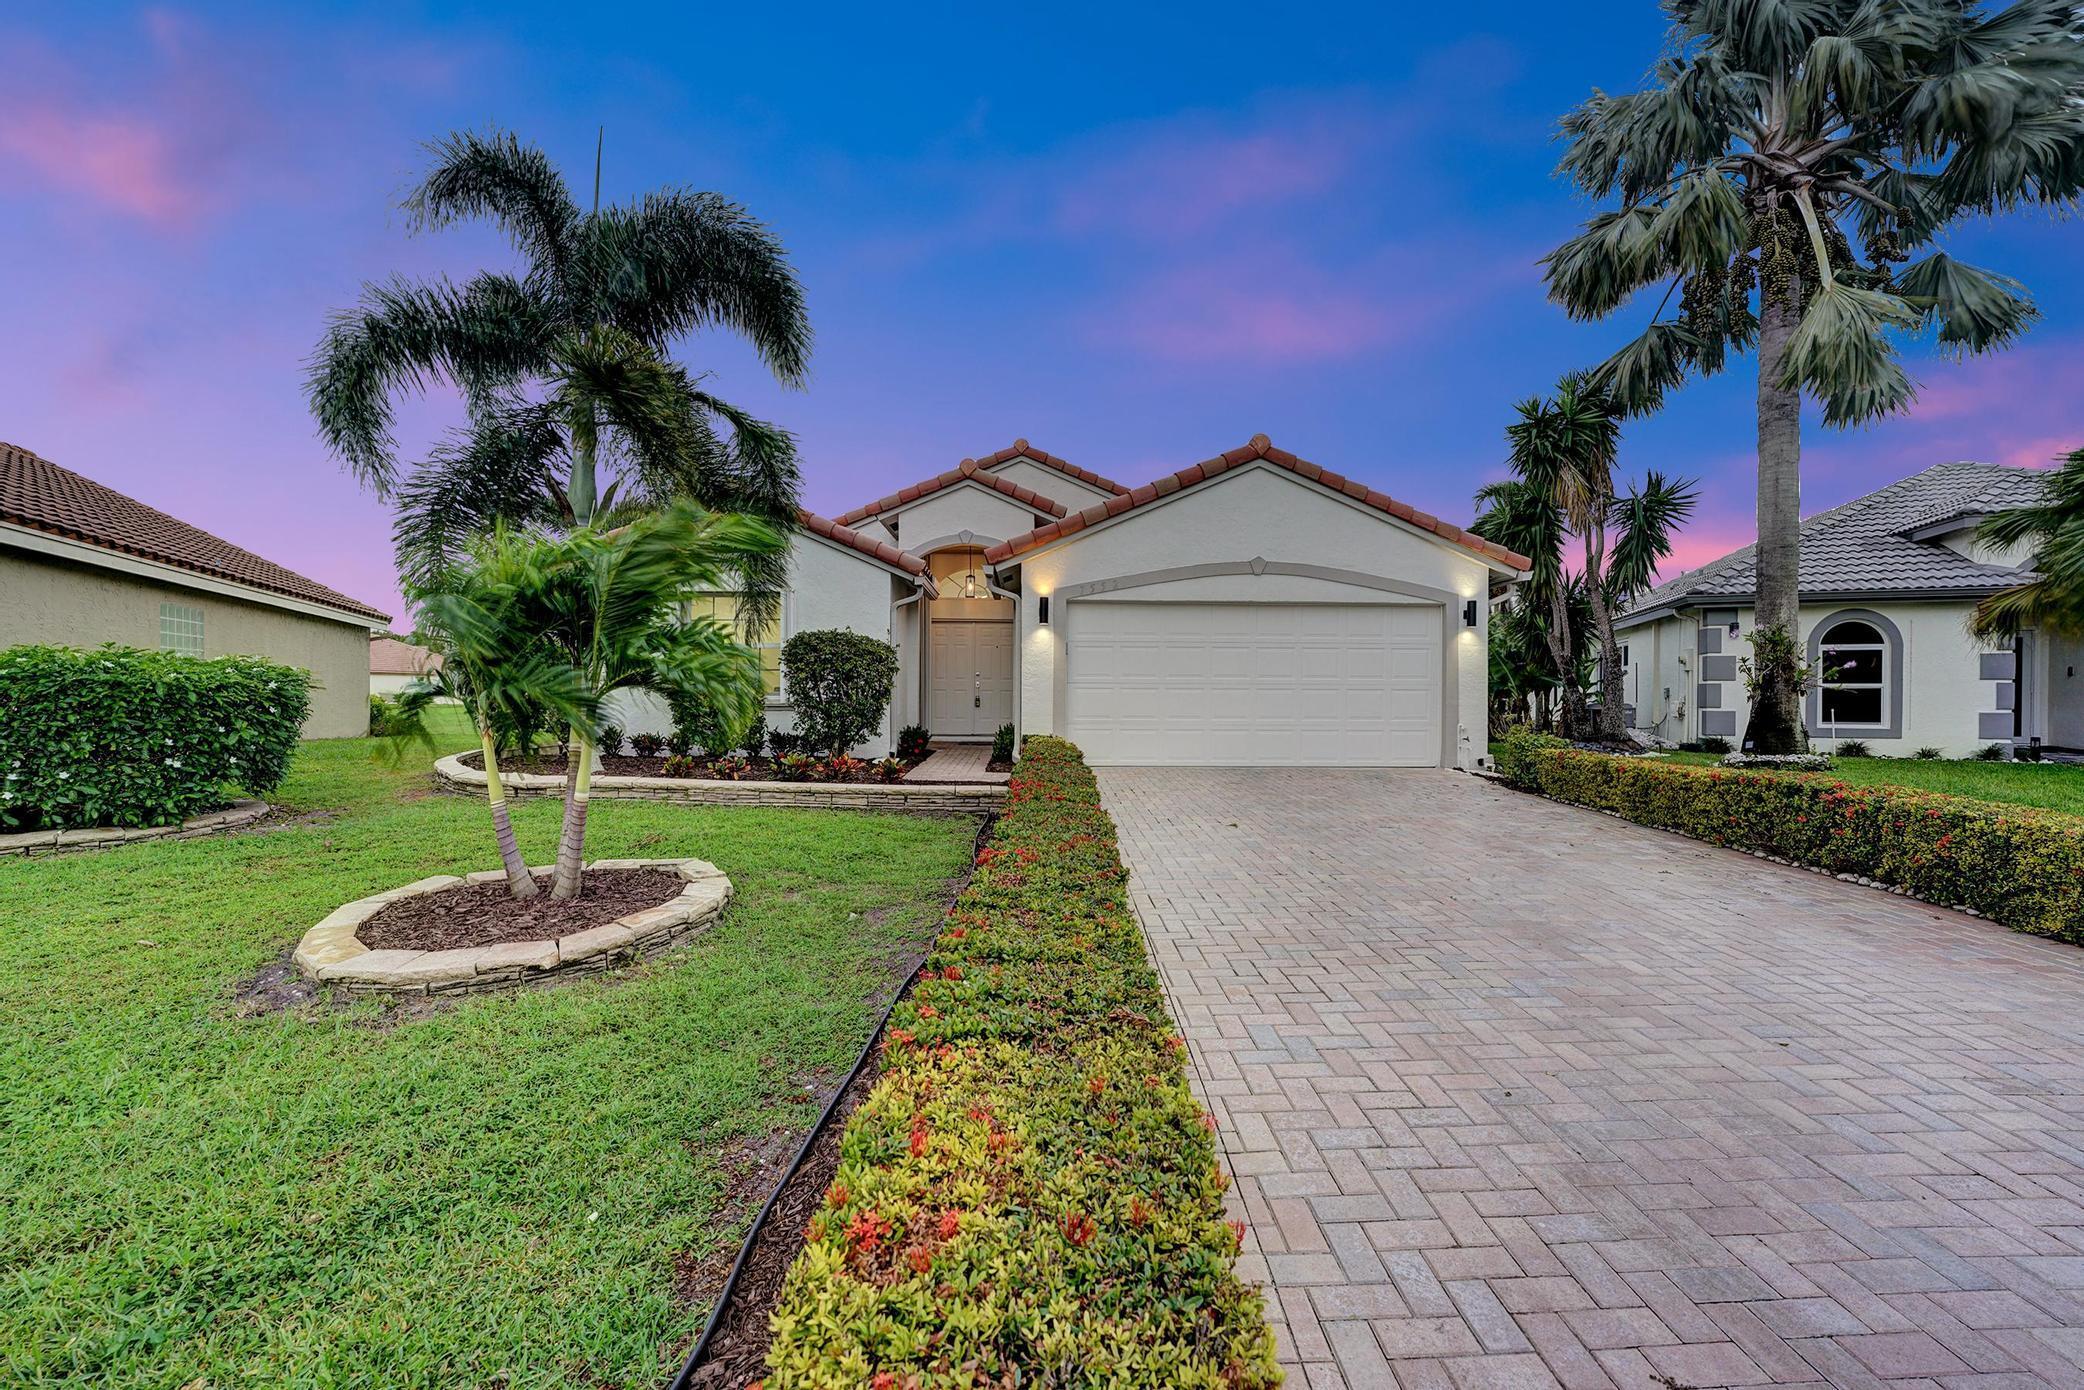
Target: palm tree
[(2054, 528), (609, 603), (490, 665), (1521, 514), (574, 402), (1777, 175)]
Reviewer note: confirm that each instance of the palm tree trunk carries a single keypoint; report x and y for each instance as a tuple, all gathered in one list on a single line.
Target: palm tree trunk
[(1613, 715), (1776, 724), (571, 844), (1563, 652), (518, 878)]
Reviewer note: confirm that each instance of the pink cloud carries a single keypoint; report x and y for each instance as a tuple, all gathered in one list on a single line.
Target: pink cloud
[(1179, 182), (117, 160), (1242, 311)]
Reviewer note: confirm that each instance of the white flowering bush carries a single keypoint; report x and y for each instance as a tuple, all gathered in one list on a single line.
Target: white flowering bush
[(1780, 762), (122, 737)]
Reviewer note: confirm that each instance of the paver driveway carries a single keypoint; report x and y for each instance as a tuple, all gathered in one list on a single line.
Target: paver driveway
[(1517, 1094)]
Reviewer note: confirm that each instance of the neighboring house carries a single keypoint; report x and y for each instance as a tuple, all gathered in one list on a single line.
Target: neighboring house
[(1250, 610), (81, 564), (1888, 584), (395, 663)]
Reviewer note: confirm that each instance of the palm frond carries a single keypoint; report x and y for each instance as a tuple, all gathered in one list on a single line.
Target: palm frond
[(1840, 353), (494, 175), (503, 470), (1645, 523), (680, 261), (1976, 310), (1595, 272), (1637, 376)]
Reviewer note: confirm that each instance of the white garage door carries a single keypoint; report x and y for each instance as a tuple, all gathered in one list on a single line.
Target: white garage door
[(1255, 684)]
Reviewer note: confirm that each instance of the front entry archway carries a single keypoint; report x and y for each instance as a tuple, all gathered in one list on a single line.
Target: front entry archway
[(969, 649)]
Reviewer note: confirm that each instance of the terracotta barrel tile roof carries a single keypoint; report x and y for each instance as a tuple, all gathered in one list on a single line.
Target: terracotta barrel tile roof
[(1021, 449), (903, 561), (38, 494), (968, 469), (1260, 449)]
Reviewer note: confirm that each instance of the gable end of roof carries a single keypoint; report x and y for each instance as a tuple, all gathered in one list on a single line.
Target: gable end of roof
[(903, 561), (1259, 450), (968, 471), (1021, 449)]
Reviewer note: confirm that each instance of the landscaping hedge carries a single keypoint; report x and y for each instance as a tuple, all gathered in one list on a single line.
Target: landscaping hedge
[(122, 737), (2017, 865), (1030, 1194)]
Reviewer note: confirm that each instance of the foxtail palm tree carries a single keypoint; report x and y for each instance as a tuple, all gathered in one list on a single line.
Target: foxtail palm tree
[(1784, 176), (575, 403), (2053, 529)]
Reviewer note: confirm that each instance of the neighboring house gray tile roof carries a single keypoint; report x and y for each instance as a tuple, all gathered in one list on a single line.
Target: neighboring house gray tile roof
[(1865, 547)]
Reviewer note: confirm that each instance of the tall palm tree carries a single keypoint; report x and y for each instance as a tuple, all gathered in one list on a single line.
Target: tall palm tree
[(1520, 513), (2054, 529), (575, 404), (609, 604), (1778, 174)]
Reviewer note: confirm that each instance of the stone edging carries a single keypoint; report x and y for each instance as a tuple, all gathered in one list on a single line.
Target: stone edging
[(452, 775), (330, 952), (39, 842)]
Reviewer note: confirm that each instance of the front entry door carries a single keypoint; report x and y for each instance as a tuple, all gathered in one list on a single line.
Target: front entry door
[(970, 674)]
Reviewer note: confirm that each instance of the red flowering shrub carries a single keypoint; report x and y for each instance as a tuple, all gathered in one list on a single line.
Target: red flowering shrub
[(2015, 864), (1040, 1209)]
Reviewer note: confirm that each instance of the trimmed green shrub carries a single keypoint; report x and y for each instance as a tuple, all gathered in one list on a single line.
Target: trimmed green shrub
[(2017, 865), (383, 716), (1714, 743), (1519, 743), (647, 745), (913, 742), (1002, 744), (755, 741), (123, 737), (697, 723), (1030, 1194), (839, 682)]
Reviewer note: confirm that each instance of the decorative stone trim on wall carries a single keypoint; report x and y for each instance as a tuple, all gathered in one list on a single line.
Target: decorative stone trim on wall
[(39, 842), (453, 776), (1998, 673), (330, 952)]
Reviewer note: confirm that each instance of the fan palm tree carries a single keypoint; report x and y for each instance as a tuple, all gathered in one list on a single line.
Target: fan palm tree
[(1777, 176), (609, 603), (2054, 529), (575, 404)]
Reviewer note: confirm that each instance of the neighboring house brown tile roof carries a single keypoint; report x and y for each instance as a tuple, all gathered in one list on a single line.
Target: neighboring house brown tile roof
[(389, 656), (903, 561), (1260, 449), (1021, 449), (970, 470), (38, 494)]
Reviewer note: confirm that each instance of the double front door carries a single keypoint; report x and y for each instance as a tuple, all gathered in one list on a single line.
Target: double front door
[(969, 672)]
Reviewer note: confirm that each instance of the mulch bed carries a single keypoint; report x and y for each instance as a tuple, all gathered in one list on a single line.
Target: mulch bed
[(624, 765), (736, 1355), (485, 914)]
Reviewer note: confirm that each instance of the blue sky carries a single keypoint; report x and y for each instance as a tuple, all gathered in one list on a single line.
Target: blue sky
[(1134, 238)]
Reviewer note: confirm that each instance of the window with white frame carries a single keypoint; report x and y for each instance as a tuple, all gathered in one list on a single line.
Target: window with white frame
[(1852, 677), (180, 629), (764, 638)]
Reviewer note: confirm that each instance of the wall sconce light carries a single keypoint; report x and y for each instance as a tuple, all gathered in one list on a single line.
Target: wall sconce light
[(1469, 613), (1044, 614)]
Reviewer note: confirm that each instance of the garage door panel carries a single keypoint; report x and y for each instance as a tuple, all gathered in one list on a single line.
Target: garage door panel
[(1244, 684)]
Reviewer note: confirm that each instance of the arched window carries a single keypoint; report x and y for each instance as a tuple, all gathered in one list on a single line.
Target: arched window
[(1857, 659)]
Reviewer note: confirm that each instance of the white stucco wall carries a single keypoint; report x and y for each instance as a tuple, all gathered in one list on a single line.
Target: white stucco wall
[(829, 587), (1057, 486), (966, 506), (1268, 513), (1943, 690)]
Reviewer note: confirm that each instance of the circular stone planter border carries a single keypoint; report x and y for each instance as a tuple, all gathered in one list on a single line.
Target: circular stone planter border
[(455, 777), (37, 842), (330, 952)]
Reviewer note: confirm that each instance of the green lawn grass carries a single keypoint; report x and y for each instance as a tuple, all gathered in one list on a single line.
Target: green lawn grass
[(2054, 786), (488, 1194)]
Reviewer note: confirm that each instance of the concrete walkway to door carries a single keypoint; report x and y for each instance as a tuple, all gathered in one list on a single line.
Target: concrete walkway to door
[(1516, 1094)]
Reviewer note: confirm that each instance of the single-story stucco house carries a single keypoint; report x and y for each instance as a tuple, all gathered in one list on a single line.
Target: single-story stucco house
[(81, 564), (396, 664), (1888, 584), (1253, 609)]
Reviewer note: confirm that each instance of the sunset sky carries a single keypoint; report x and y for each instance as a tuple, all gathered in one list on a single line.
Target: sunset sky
[(1133, 239)]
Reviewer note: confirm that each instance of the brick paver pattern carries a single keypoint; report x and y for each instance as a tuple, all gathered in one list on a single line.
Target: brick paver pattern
[(1515, 1094)]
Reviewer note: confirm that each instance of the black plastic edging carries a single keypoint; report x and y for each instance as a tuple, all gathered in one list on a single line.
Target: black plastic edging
[(723, 1299)]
